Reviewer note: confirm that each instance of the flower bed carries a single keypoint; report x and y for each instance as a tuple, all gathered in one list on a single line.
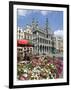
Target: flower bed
[(40, 68)]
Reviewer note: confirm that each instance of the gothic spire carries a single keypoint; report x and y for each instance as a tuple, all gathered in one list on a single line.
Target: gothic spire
[(46, 25), (36, 24), (33, 23)]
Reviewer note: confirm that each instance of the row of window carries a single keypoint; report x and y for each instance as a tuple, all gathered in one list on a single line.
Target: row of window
[(42, 41), (29, 37), (25, 49), (43, 48), (42, 35)]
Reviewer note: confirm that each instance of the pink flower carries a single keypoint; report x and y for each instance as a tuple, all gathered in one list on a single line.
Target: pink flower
[(22, 78)]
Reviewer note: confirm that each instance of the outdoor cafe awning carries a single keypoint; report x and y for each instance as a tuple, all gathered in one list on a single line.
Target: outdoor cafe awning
[(23, 43)]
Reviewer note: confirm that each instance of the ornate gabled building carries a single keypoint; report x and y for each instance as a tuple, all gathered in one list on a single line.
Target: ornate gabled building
[(42, 38), (24, 41)]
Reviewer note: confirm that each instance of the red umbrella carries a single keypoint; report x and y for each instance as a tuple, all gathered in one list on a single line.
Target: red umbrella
[(23, 41)]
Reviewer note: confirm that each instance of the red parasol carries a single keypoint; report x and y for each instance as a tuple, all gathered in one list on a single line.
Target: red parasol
[(23, 43)]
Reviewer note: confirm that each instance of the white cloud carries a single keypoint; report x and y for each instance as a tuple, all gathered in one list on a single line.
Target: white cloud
[(44, 12), (22, 12), (59, 33)]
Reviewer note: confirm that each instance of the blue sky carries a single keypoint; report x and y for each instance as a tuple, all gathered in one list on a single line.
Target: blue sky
[(55, 18)]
